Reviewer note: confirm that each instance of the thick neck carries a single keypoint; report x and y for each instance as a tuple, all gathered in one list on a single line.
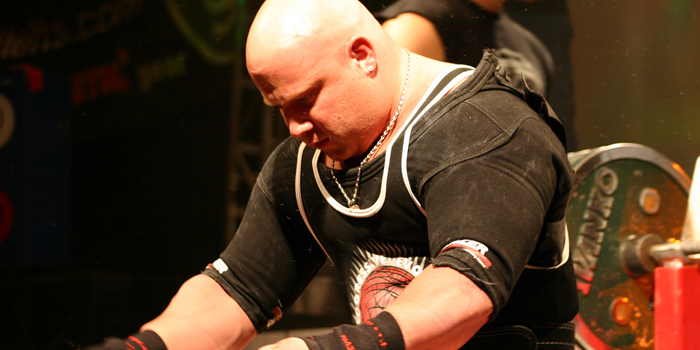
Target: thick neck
[(398, 114), (423, 72)]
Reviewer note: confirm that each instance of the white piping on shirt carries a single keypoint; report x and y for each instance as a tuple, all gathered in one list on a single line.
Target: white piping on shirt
[(374, 208), (300, 202), (407, 137), (565, 254)]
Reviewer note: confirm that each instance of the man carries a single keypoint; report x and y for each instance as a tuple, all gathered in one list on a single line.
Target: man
[(436, 189), (458, 31)]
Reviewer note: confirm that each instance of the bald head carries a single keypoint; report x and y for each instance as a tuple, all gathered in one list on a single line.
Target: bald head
[(286, 22), (300, 27)]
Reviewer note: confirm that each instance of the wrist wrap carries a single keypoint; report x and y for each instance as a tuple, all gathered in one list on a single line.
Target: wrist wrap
[(147, 340), (379, 333)]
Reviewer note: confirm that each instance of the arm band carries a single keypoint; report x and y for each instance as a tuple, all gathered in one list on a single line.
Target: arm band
[(379, 333), (147, 340)]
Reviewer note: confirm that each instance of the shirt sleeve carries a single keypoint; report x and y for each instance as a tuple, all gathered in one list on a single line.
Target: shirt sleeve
[(272, 257), (485, 215)]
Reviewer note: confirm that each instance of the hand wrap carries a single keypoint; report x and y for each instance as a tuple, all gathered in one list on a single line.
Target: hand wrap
[(379, 333)]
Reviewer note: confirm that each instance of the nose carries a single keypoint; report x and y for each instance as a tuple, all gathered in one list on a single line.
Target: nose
[(298, 124), (298, 129)]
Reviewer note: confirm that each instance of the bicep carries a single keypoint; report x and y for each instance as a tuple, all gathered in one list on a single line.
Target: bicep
[(417, 34), (485, 200), (485, 217)]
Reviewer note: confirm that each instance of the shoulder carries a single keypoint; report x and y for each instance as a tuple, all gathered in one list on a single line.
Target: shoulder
[(277, 174), (477, 123), (482, 110), (474, 120)]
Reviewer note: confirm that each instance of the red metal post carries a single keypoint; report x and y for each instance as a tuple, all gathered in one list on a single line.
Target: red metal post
[(677, 308)]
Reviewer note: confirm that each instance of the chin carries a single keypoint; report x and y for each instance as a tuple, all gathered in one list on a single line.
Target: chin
[(334, 153), (334, 156)]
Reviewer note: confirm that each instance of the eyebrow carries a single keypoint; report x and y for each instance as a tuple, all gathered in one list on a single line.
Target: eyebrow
[(296, 96), (309, 90)]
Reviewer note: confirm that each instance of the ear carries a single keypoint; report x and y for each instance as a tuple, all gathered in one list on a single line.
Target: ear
[(361, 50)]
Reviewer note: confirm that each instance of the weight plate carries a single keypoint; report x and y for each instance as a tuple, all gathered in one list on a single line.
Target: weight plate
[(625, 198)]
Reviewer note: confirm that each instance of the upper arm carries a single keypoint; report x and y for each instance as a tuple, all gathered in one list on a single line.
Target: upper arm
[(485, 215), (417, 34), (272, 256)]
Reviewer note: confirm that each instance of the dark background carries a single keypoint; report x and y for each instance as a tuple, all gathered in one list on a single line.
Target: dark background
[(137, 136)]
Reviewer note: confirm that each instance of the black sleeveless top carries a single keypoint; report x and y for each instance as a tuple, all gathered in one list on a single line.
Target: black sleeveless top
[(475, 179)]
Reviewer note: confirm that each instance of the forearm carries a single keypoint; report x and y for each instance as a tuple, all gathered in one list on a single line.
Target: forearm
[(440, 309), (202, 316)]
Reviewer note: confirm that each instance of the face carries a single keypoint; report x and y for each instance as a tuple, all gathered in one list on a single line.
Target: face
[(327, 103)]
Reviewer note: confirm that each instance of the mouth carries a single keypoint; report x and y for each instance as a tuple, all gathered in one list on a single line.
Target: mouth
[(324, 144), (320, 144)]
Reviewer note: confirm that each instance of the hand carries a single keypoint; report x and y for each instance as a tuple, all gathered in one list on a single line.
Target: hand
[(287, 344)]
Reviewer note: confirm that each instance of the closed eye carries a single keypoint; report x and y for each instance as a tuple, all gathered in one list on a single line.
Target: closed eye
[(306, 98)]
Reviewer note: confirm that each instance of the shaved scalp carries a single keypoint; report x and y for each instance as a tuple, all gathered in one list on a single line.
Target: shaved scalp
[(302, 26)]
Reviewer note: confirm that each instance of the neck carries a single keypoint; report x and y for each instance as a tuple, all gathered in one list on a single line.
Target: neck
[(356, 161)]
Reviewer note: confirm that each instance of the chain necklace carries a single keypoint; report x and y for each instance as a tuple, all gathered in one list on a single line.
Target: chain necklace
[(352, 203)]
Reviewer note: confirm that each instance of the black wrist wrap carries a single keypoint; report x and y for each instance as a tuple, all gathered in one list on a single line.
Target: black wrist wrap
[(379, 333), (147, 340)]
